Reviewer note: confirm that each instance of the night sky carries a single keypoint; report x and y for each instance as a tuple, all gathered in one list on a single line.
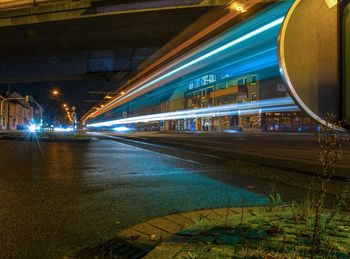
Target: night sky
[(74, 93)]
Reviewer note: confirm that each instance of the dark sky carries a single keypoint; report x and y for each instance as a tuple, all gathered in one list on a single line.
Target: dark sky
[(74, 93)]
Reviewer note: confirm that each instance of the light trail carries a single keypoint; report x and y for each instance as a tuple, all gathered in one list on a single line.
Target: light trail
[(269, 105), (137, 88), (185, 45)]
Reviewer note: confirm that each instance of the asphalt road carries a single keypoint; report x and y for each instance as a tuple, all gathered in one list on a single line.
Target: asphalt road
[(294, 154), (58, 198)]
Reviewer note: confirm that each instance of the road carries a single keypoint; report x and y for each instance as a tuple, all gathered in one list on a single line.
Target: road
[(291, 158), (57, 198)]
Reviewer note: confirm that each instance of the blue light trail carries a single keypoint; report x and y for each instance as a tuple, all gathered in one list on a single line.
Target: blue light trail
[(278, 104)]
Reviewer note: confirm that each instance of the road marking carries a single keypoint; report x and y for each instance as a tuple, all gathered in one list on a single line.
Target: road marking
[(150, 144)]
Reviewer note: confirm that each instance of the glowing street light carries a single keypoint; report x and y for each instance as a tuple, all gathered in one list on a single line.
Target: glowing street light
[(236, 6), (331, 3), (55, 92), (64, 105)]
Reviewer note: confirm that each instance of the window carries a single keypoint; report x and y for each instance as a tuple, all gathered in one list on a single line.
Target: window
[(253, 79), (208, 79), (242, 82), (253, 96)]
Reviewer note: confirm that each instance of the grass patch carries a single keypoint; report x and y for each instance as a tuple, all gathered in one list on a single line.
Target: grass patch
[(280, 233)]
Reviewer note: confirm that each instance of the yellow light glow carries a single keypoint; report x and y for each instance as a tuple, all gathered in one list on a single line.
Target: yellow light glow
[(55, 92), (236, 6), (102, 106), (122, 93), (64, 105), (331, 3), (108, 97)]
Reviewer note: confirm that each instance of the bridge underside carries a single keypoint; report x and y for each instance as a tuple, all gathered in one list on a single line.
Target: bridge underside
[(100, 50)]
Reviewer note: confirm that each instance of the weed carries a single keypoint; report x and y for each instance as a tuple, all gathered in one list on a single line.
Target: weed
[(330, 153)]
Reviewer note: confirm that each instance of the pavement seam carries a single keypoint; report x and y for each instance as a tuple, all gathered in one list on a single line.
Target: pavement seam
[(172, 221), (139, 231), (215, 212), (160, 228)]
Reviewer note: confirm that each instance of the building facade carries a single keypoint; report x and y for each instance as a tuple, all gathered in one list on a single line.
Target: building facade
[(17, 113)]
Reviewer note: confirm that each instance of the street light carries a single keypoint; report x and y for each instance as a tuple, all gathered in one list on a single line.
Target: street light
[(237, 6), (331, 3), (64, 105), (55, 92)]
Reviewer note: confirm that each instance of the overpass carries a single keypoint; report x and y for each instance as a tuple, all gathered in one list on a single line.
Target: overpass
[(91, 39), (92, 44)]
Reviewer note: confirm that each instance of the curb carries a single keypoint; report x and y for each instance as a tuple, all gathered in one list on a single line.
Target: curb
[(151, 233)]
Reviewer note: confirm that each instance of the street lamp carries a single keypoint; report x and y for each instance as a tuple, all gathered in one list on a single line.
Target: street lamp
[(55, 92), (64, 105), (237, 6)]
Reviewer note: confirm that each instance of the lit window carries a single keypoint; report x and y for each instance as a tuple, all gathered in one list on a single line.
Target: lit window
[(242, 82), (253, 79), (253, 95)]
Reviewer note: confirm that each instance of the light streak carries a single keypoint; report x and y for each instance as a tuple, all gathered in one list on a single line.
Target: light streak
[(206, 56), (277, 104), (63, 129)]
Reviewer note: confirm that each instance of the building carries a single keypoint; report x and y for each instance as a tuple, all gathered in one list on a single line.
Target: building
[(19, 111)]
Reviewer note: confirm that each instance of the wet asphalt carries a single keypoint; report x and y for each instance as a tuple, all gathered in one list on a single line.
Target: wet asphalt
[(58, 198)]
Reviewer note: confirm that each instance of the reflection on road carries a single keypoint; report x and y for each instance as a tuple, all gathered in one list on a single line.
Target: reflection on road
[(57, 198)]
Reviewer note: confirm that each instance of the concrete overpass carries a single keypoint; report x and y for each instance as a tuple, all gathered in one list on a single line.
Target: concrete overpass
[(89, 45), (92, 39)]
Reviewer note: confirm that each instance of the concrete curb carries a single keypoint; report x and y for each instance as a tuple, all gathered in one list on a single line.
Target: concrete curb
[(154, 231)]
